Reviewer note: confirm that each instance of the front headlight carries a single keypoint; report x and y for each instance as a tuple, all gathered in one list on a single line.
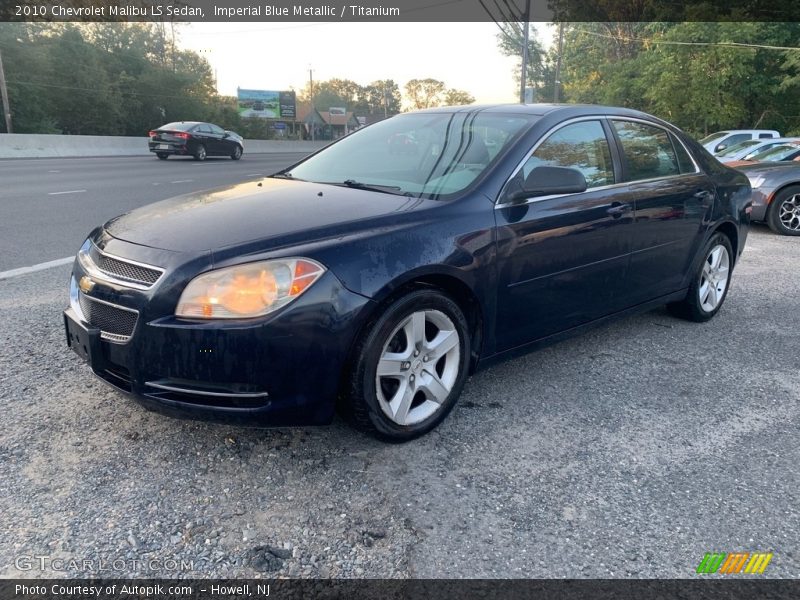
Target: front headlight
[(757, 181), (248, 290)]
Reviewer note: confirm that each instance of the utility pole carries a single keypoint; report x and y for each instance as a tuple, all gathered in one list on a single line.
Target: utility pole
[(557, 82), (524, 77), (4, 96), (311, 91)]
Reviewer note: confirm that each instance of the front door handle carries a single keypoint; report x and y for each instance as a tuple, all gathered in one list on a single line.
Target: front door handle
[(703, 195), (618, 209)]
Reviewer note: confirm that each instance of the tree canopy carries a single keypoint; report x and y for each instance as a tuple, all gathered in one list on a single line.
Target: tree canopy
[(702, 76)]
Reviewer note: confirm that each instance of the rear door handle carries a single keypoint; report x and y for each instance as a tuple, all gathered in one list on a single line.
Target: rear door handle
[(618, 209)]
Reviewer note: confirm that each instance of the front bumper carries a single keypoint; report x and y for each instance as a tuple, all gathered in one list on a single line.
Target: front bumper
[(282, 369), (761, 199)]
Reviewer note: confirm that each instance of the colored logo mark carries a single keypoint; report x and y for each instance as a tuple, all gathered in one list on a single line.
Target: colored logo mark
[(737, 562)]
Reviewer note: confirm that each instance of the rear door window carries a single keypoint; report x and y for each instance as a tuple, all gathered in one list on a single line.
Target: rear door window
[(648, 151)]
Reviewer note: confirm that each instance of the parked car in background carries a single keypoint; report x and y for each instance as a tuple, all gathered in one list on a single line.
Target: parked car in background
[(197, 139), (719, 141), (747, 149), (776, 195), (377, 282), (781, 153)]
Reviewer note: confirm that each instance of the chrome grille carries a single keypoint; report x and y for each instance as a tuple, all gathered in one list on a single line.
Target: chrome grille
[(122, 269), (116, 324)]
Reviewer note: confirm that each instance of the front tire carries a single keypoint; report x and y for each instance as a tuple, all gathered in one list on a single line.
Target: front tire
[(237, 153), (200, 153), (410, 367), (784, 212), (710, 284)]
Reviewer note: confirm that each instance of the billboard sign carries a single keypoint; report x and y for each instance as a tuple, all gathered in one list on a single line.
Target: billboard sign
[(266, 104)]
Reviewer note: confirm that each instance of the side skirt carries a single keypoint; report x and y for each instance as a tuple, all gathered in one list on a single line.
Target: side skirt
[(580, 329)]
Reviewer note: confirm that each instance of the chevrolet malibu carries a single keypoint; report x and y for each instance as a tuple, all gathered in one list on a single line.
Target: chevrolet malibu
[(376, 282)]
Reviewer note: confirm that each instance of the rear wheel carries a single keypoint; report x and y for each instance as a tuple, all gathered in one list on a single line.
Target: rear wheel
[(710, 284), (162, 155), (200, 153), (784, 212), (237, 153), (410, 367)]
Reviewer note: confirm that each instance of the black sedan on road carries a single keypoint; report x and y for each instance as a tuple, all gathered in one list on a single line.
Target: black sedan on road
[(192, 138), (376, 282)]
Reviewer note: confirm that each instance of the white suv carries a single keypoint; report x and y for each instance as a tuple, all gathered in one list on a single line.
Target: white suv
[(719, 141)]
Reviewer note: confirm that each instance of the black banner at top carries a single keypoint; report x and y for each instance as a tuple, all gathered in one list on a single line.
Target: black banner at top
[(399, 10)]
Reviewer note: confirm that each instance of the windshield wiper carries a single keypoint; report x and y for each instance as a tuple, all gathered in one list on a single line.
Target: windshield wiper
[(372, 187)]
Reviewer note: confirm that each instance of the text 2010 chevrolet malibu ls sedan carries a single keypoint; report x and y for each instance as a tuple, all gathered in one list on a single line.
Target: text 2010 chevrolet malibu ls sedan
[(378, 281)]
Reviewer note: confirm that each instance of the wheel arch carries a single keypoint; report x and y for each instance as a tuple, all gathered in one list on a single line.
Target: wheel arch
[(731, 231), (446, 282), (776, 191)]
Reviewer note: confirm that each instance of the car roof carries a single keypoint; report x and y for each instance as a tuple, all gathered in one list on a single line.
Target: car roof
[(540, 109)]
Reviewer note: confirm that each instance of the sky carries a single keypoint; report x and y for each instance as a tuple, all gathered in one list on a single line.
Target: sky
[(277, 56)]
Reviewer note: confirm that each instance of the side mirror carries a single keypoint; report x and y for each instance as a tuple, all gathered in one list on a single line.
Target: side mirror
[(546, 181), (226, 135), (720, 148)]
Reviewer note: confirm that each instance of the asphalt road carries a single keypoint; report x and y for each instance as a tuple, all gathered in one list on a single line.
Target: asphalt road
[(49, 205), (628, 452)]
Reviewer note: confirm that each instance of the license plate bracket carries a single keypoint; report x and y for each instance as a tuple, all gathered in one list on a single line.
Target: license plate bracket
[(85, 342)]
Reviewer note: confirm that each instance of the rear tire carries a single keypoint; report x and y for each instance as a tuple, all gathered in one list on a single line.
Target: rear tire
[(783, 216), (162, 155), (237, 153), (710, 283), (409, 368), (200, 153)]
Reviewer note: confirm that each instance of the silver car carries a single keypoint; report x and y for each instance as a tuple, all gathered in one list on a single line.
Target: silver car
[(776, 195)]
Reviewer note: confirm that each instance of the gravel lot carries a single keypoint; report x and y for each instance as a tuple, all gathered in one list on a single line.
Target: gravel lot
[(628, 452)]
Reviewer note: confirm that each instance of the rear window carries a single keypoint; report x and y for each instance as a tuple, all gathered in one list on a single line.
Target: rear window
[(179, 126)]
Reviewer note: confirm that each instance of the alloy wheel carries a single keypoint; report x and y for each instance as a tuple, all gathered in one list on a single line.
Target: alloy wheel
[(714, 278), (418, 367), (789, 213)]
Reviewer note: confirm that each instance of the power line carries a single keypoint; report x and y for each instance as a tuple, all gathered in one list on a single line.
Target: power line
[(677, 43)]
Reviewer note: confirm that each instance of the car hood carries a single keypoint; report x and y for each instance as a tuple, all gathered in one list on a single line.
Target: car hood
[(270, 209)]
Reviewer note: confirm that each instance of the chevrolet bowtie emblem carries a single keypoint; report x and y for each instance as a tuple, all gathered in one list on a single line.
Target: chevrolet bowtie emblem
[(86, 285)]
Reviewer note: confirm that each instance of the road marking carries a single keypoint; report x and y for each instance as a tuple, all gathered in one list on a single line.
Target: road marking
[(40, 267), (253, 174), (53, 171), (66, 192), (182, 181)]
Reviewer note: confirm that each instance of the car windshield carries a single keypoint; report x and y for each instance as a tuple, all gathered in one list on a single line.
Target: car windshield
[(776, 153), (714, 136), (419, 154), (736, 148), (178, 126)]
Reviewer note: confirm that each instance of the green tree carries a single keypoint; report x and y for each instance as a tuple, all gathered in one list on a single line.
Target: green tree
[(453, 97), (378, 95), (425, 93)]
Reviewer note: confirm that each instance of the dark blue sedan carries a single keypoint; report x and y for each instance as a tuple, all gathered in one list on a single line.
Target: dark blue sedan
[(376, 281)]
